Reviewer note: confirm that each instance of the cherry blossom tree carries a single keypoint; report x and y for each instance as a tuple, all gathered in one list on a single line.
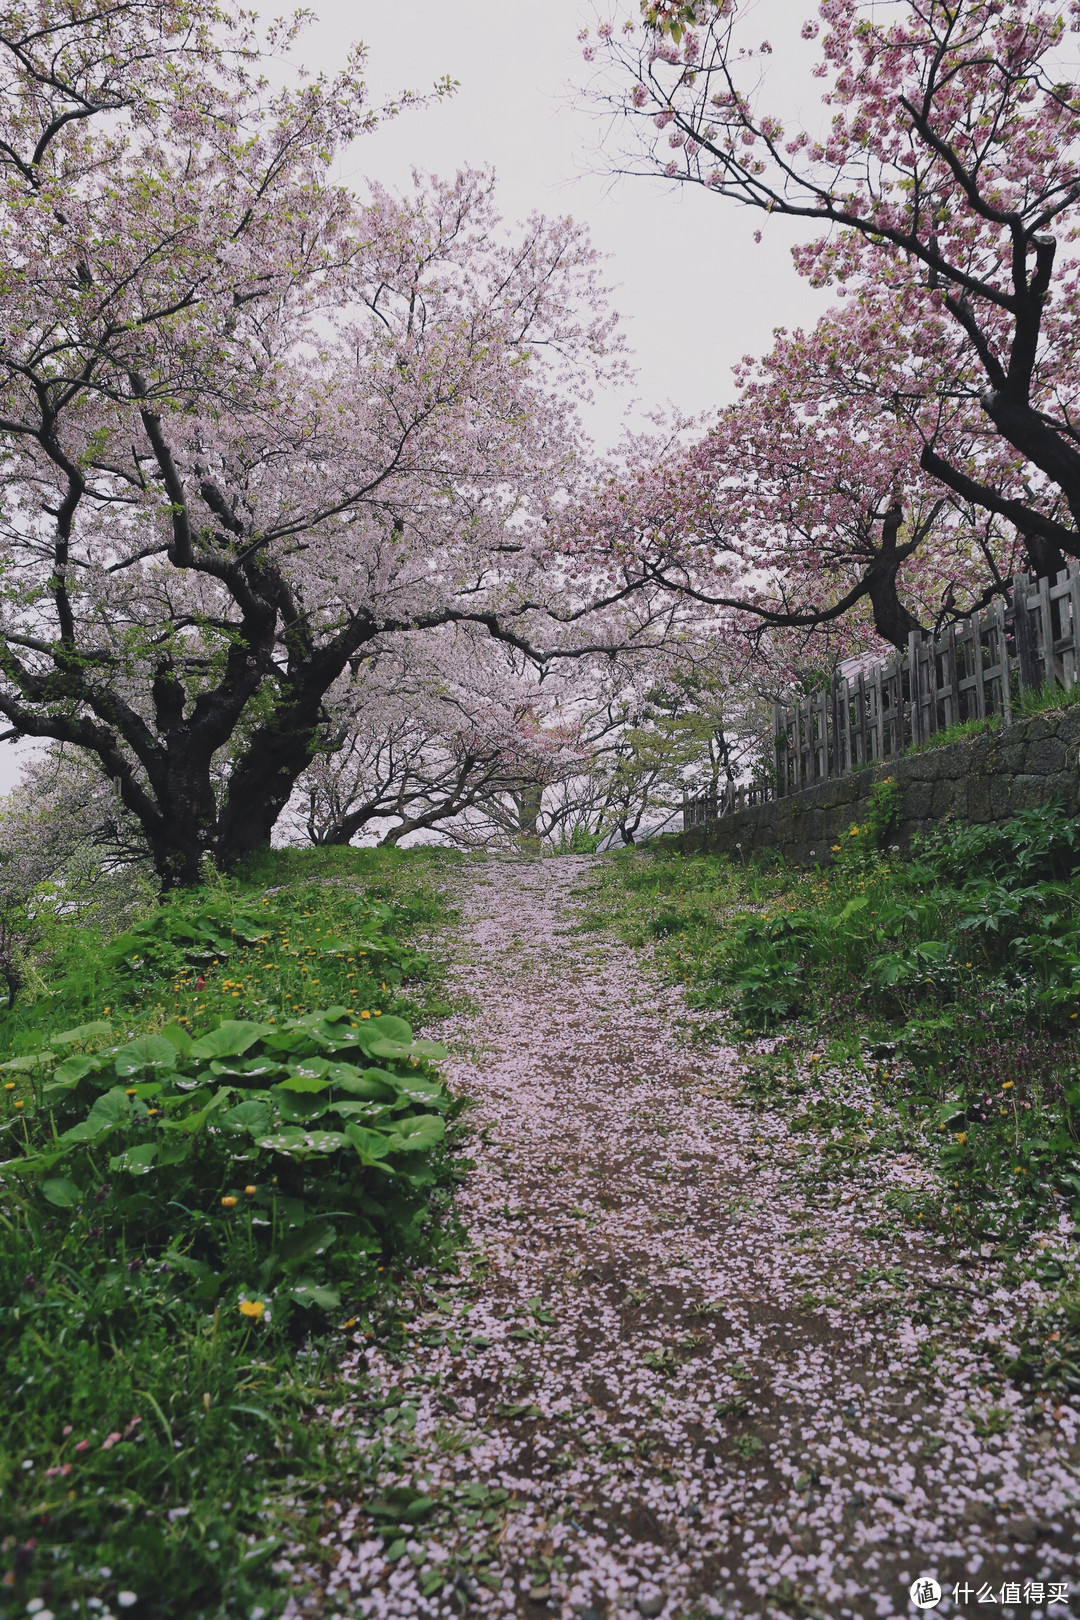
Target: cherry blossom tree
[(253, 426), (802, 507), (946, 174), (432, 726)]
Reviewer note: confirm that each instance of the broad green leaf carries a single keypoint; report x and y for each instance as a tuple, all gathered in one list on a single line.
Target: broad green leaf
[(389, 1049), (849, 910), (376, 1084), (108, 1112), (231, 1039), (305, 1241), (418, 1132), (302, 1083), (25, 1065), (84, 1032), (359, 1110), (419, 1089), (253, 1116), (391, 1029), (61, 1192), (370, 1145), (298, 1142), (72, 1070), (305, 1293), (148, 1052), (428, 1049), (137, 1160), (297, 1109), (340, 1073), (179, 1038), (195, 1122)]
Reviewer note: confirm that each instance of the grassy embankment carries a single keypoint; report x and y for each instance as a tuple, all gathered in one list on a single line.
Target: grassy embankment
[(223, 1149), (929, 1004)]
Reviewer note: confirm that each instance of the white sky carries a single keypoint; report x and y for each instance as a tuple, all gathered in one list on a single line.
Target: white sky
[(695, 290)]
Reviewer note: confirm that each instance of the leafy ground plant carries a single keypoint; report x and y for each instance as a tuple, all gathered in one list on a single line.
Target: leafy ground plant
[(951, 979), (194, 1205)]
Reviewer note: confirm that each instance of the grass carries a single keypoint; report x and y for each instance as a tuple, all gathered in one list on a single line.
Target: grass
[(1042, 701), (167, 1335), (927, 1004)]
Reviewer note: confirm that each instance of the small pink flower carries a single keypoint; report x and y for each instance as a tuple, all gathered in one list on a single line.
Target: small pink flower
[(66, 1430), (83, 1445), (110, 1440)]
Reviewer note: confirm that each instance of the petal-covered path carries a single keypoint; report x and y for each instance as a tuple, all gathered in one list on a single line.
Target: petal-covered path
[(679, 1374)]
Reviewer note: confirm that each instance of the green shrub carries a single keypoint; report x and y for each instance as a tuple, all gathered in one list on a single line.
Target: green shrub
[(959, 969), (198, 1184)]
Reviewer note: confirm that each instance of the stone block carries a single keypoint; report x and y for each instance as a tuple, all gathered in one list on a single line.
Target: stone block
[(1000, 797), (977, 798), (916, 767), (946, 801), (1043, 756), (1038, 727), (917, 799), (1028, 793), (1009, 757)]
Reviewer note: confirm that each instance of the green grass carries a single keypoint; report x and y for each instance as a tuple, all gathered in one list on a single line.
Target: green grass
[(156, 1439), (1043, 701), (952, 979)]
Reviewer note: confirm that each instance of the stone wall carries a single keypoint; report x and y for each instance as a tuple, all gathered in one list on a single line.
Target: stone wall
[(988, 777)]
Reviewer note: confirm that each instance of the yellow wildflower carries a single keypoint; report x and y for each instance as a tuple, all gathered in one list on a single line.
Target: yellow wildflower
[(253, 1307), (250, 1191), (227, 1203)]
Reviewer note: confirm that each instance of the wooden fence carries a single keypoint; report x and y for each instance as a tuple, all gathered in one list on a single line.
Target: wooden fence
[(977, 667)]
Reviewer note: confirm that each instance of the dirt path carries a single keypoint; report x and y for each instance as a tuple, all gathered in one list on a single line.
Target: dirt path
[(677, 1375)]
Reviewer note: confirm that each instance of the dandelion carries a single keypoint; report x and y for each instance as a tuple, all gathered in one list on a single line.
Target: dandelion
[(9, 1085), (365, 1015), (250, 1191), (19, 1103), (228, 1202), (255, 1308), (1006, 1085), (129, 1091)]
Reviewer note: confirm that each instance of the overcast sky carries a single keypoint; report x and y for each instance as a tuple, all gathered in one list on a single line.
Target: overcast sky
[(695, 290)]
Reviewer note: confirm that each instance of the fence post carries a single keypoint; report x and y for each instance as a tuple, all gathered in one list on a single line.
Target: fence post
[(1071, 656), (977, 665), (1025, 655), (914, 699)]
